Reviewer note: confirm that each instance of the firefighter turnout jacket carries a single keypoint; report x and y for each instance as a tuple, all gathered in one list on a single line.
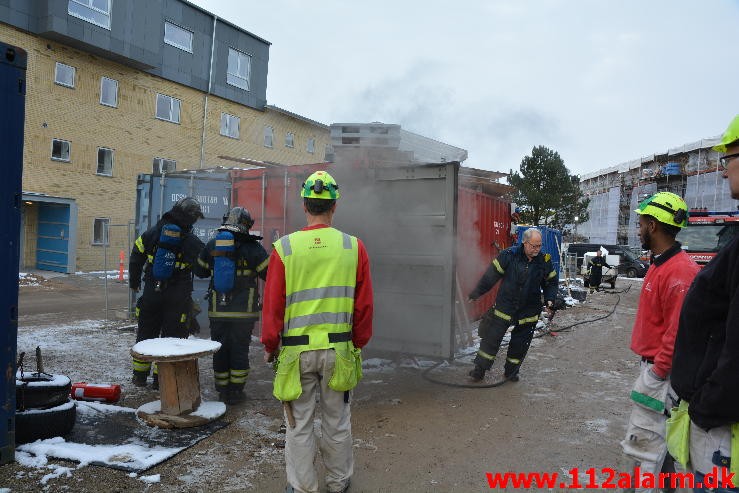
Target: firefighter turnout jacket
[(251, 262), (519, 297), (144, 250)]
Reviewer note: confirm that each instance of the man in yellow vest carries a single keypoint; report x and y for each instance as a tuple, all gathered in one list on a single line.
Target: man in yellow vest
[(318, 307)]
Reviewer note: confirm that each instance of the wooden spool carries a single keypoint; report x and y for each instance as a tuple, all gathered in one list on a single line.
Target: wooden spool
[(179, 382)]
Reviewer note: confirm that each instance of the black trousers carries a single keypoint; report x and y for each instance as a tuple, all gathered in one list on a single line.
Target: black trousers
[(163, 313), (492, 329), (233, 357)]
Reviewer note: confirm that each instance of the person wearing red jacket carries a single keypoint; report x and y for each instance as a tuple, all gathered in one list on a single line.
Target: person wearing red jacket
[(661, 217), (317, 315)]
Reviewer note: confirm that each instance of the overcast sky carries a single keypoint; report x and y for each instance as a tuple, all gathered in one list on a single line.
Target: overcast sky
[(599, 81)]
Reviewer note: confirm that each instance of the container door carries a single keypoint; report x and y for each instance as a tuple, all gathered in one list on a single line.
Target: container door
[(12, 100), (406, 217), (52, 245)]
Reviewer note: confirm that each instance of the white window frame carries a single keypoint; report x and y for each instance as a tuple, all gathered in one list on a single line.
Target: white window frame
[(87, 5), (175, 30), (310, 146), (58, 80), (232, 73), (171, 108), (269, 136), (112, 157), (161, 165), (114, 104), (69, 151), (289, 139), (230, 125), (105, 240)]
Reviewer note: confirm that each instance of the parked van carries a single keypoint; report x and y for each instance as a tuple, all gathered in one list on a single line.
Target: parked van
[(629, 263)]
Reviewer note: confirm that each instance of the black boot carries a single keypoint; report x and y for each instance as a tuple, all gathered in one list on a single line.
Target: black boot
[(139, 378), (236, 396), (155, 381), (477, 374)]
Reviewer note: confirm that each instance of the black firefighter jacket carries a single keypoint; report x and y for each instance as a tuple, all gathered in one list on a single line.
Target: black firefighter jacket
[(519, 296), (251, 262), (142, 255)]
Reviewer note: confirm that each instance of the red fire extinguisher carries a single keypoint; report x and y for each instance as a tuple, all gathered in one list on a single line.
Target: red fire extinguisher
[(83, 391)]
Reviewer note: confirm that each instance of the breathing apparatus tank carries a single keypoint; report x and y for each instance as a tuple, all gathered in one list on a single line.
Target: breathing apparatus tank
[(165, 256), (224, 265)]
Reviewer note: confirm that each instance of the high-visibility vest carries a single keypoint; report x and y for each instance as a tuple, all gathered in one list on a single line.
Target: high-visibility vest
[(320, 278)]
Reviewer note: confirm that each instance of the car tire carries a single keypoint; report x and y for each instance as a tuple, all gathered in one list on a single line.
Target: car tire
[(37, 424), (40, 390), (631, 273)]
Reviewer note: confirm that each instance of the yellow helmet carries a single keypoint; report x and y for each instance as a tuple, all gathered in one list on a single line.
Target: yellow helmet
[(320, 185), (665, 207), (730, 136)]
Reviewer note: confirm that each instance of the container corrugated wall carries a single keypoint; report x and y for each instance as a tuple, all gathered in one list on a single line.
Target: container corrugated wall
[(483, 230), (12, 100)]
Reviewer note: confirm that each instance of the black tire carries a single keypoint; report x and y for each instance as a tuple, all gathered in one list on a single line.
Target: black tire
[(34, 390), (35, 424), (631, 273)]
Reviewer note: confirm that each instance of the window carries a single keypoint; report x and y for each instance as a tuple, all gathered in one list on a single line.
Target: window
[(177, 37), (230, 125), (109, 92), (100, 231), (64, 75), (162, 165), (105, 161), (60, 150), (268, 134), (239, 68), (311, 146), (168, 108), (328, 155), (94, 11), (289, 139)]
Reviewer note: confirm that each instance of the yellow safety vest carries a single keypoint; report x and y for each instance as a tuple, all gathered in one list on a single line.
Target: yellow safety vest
[(320, 278)]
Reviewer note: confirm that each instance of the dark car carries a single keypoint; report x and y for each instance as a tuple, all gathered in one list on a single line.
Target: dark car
[(629, 263)]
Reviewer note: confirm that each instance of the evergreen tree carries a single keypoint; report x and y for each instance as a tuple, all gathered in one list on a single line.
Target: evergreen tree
[(546, 193)]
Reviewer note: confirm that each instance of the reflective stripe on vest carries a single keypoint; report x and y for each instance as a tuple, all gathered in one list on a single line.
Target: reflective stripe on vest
[(320, 277)]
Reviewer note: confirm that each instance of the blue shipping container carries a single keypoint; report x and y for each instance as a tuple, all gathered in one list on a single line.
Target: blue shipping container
[(551, 240), (12, 100)]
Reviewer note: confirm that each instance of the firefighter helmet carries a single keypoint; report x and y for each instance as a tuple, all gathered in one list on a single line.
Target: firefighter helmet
[(238, 220), (730, 136), (189, 209), (665, 207), (320, 185)]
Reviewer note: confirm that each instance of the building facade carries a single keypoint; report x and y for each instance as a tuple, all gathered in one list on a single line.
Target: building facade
[(690, 171), (115, 89)]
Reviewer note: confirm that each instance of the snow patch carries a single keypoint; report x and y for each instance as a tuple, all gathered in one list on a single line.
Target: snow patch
[(172, 346)]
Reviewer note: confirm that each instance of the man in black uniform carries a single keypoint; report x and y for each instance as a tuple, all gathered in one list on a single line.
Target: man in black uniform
[(164, 307), (233, 314), (525, 272), (595, 267)]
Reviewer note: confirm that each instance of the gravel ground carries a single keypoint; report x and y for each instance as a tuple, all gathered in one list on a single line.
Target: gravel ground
[(410, 434)]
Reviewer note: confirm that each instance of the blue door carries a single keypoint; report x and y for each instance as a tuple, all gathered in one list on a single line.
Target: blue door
[(52, 246)]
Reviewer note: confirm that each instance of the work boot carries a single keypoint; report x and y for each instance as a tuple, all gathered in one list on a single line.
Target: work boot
[(139, 379), (236, 396), (512, 376), (223, 395), (155, 381), (477, 374)]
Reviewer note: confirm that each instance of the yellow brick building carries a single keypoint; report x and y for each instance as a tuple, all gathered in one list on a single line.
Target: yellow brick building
[(94, 122)]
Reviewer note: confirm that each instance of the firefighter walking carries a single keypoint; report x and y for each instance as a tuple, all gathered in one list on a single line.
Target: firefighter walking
[(318, 306), (234, 259), (525, 272), (165, 254)]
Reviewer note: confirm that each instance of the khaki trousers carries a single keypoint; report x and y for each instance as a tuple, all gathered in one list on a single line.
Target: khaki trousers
[(335, 436)]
